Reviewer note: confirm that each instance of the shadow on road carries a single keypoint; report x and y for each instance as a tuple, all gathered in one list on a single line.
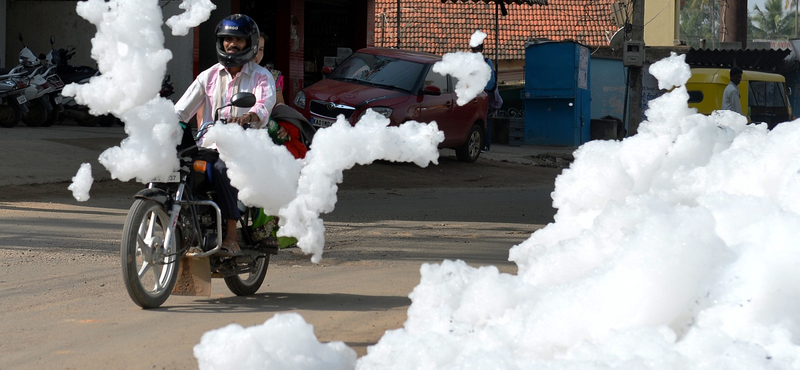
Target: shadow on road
[(279, 302)]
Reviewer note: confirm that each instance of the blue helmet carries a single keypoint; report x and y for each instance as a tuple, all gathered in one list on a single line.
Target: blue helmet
[(241, 26)]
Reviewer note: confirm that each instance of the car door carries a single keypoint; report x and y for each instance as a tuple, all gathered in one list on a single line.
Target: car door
[(462, 117), (436, 106)]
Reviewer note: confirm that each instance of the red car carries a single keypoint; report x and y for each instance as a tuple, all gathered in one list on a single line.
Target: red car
[(400, 85)]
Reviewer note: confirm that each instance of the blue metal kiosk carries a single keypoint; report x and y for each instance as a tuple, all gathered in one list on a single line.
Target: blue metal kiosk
[(556, 95)]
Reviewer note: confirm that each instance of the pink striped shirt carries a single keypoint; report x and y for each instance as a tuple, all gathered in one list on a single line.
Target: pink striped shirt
[(252, 78)]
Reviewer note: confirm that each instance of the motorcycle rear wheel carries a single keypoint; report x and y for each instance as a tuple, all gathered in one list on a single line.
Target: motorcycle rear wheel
[(148, 270), (84, 118), (53, 115), (248, 284), (9, 115), (37, 113)]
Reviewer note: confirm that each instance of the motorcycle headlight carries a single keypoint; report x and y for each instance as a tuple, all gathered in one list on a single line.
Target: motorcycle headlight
[(383, 111), (300, 100)]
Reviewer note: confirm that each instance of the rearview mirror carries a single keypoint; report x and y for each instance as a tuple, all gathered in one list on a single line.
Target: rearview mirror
[(243, 100), (326, 70)]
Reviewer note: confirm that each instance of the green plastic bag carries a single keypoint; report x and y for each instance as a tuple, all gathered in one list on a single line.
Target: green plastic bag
[(265, 228)]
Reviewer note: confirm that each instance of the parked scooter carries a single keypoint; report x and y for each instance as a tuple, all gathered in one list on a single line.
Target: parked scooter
[(34, 107), (43, 84), (67, 105), (12, 97), (166, 90)]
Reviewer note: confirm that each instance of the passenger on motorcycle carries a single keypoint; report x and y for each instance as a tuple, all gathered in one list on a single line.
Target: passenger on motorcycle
[(236, 44)]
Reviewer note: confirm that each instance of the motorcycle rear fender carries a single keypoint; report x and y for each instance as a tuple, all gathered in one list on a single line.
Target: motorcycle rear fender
[(154, 194)]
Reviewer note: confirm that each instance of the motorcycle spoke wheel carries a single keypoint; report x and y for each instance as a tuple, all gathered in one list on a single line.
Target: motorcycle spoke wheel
[(148, 269), (249, 283)]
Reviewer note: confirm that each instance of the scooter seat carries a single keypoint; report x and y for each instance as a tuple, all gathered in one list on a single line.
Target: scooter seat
[(79, 74)]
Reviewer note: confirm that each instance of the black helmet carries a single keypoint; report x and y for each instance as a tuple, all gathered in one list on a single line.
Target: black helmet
[(242, 26)]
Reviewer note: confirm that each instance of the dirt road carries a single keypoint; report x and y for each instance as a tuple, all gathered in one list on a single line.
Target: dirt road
[(65, 306)]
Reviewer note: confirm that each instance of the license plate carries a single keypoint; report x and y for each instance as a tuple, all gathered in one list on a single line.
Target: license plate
[(173, 177), (21, 99), (55, 81), (321, 122)]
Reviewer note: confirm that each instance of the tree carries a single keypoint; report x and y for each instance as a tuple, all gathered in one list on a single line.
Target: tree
[(793, 4), (770, 23), (699, 20)]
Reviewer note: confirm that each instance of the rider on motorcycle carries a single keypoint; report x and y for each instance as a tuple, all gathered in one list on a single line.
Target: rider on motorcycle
[(236, 44)]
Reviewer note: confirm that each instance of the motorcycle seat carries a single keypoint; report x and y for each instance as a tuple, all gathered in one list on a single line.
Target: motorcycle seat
[(77, 75)]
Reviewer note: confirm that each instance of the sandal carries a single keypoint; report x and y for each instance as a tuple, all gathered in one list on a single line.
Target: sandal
[(230, 248)]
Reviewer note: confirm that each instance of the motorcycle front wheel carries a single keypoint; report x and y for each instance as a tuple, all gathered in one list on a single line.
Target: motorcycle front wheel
[(9, 115), (249, 283), (148, 270)]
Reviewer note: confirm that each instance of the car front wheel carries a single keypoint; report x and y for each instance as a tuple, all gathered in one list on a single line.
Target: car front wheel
[(471, 149)]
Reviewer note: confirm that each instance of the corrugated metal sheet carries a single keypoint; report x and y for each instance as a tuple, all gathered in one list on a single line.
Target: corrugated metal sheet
[(759, 60)]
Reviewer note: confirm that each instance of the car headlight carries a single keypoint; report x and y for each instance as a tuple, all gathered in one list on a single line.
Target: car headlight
[(300, 100), (383, 111)]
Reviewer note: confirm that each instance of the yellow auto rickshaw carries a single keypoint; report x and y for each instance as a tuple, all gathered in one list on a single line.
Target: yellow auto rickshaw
[(764, 96)]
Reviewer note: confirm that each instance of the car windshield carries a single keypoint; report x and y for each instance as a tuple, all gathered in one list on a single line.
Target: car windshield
[(379, 70)]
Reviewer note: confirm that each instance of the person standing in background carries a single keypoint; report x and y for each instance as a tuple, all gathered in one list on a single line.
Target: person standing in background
[(731, 99), (276, 74), (493, 96)]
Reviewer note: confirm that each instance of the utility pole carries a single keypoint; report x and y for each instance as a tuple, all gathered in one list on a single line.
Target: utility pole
[(733, 25), (636, 45)]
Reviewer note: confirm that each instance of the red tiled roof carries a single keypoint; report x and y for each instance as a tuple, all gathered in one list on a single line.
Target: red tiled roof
[(436, 27), (528, 2)]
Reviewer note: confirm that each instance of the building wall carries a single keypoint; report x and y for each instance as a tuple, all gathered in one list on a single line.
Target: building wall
[(289, 46), (69, 28), (63, 23), (3, 53), (661, 18)]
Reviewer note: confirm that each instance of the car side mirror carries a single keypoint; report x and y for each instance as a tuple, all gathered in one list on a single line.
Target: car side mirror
[(431, 90), (326, 70)]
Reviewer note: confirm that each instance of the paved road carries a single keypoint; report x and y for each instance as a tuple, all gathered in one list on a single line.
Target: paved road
[(54, 154), (65, 306)]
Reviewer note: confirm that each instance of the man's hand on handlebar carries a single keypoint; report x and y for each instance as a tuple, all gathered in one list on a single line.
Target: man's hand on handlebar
[(246, 119)]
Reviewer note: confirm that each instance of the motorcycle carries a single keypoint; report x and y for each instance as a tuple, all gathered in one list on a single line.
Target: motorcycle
[(44, 84), (172, 236), (166, 91), (41, 83), (24, 90), (12, 97), (67, 105)]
